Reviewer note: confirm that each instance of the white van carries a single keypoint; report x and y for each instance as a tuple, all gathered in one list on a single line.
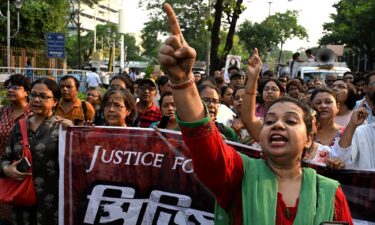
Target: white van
[(309, 71)]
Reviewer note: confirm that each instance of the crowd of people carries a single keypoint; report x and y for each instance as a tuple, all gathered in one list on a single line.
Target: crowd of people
[(329, 122)]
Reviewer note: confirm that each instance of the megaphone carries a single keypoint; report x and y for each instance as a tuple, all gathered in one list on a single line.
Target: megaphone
[(325, 56)]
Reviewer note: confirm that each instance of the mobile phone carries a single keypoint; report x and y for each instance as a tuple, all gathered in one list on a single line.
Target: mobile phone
[(334, 223), (163, 122), (24, 165)]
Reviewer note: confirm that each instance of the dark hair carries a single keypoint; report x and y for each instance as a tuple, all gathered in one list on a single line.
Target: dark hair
[(236, 90), (165, 94), (209, 79), (223, 90), (307, 117), (278, 83), (368, 77), (308, 52), (322, 90), (119, 77), (300, 80), (76, 81), (347, 72), (128, 101), (295, 55), (358, 79), (234, 68), (294, 83), (283, 76), (51, 85), (269, 73), (162, 80), (219, 80), (203, 87), (352, 94), (19, 80)]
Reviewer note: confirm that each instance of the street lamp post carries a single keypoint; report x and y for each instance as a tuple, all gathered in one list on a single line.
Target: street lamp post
[(111, 37), (18, 4)]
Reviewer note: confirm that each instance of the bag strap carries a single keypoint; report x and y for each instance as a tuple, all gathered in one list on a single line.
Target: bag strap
[(84, 110), (25, 138)]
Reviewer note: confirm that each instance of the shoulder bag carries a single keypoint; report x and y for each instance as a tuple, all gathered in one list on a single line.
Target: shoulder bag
[(19, 193)]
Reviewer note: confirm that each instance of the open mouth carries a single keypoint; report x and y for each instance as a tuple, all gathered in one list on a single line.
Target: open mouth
[(277, 139)]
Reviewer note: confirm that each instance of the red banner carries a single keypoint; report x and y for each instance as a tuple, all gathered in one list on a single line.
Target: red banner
[(142, 176)]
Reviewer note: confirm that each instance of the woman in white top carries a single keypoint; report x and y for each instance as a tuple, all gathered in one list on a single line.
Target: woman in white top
[(346, 97)]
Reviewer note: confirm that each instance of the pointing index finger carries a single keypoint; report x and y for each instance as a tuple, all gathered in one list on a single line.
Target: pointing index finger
[(174, 26), (256, 52)]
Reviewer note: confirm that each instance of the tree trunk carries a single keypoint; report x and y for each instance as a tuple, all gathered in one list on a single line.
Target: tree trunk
[(281, 52), (215, 37), (232, 29)]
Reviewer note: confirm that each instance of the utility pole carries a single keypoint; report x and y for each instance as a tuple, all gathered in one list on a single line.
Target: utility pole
[(269, 8), (79, 34), (208, 58)]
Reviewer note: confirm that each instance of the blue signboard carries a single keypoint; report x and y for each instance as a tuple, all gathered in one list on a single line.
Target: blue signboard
[(55, 45)]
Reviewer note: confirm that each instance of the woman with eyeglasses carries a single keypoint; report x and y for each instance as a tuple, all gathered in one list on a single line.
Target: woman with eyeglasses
[(94, 96), (43, 131), (211, 97), (118, 107), (276, 190), (270, 90), (346, 97), (18, 87)]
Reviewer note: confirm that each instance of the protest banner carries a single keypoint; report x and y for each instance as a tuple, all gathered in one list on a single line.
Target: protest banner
[(137, 176)]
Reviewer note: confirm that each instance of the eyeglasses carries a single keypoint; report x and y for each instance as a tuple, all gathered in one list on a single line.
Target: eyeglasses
[(91, 95), (329, 81), (273, 89), (372, 84), (115, 106), (13, 87), (208, 101), (143, 88), (42, 97), (283, 80)]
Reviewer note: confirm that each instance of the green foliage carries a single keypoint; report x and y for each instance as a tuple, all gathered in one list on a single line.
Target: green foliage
[(352, 26), (37, 17), (3, 98), (285, 26), (81, 96), (274, 30), (256, 35), (192, 18)]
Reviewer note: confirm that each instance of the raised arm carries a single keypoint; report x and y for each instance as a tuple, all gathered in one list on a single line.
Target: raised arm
[(357, 119), (217, 165), (177, 58), (251, 122)]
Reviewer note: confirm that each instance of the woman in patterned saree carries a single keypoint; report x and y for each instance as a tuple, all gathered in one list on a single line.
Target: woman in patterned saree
[(18, 87), (42, 129)]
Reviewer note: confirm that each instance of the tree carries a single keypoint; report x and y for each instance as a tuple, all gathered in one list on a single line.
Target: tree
[(196, 26), (229, 11), (284, 27), (256, 35), (192, 18), (37, 17), (352, 27)]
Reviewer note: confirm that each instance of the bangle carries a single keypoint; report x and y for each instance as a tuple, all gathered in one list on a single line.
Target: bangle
[(250, 93), (182, 85)]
